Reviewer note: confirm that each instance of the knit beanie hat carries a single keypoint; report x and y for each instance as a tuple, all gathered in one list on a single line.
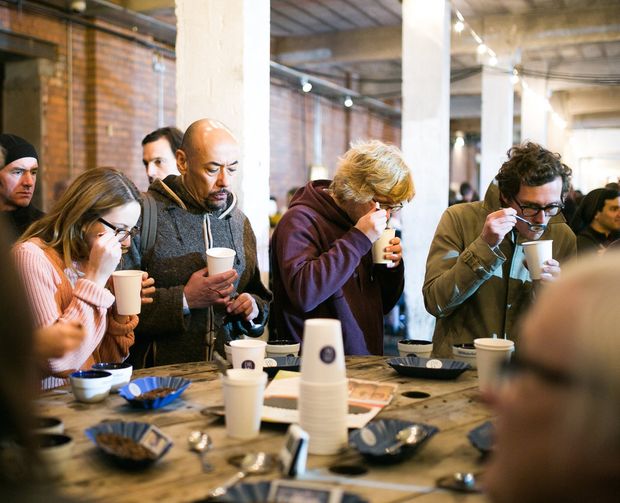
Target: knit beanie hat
[(16, 148)]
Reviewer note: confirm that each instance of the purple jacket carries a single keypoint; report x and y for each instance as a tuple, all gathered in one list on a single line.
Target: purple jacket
[(322, 268)]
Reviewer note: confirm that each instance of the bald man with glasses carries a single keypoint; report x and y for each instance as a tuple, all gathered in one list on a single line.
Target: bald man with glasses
[(477, 283)]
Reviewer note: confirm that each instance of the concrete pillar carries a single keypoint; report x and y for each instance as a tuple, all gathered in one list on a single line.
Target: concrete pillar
[(534, 110), (496, 123), (425, 142), (223, 73)]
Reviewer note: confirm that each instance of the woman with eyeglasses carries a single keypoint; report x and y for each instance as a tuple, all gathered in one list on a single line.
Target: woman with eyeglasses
[(66, 260)]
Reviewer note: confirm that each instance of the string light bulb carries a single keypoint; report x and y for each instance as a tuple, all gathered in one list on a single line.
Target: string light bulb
[(306, 85), (459, 26), (348, 102)]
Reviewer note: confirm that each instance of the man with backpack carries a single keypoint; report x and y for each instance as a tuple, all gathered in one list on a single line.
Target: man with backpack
[(194, 313)]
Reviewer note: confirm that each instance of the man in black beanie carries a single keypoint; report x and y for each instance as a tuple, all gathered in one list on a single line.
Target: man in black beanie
[(19, 165)]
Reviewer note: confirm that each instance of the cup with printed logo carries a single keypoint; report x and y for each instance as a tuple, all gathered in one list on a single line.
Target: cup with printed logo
[(465, 352), (220, 260), (379, 246), (244, 391), (323, 351), (248, 353), (490, 354), (417, 347), (536, 254), (127, 288)]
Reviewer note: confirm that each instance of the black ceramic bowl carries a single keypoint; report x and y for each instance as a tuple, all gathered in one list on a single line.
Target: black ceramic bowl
[(412, 366)]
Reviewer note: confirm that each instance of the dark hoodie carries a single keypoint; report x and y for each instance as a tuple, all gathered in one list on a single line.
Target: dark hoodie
[(322, 268), (183, 231)]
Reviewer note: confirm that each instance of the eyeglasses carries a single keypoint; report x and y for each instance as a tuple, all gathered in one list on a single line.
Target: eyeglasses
[(531, 210), (119, 232), (518, 365), (392, 208)]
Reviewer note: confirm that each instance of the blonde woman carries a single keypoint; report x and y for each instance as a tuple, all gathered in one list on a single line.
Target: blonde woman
[(66, 260), (321, 256)]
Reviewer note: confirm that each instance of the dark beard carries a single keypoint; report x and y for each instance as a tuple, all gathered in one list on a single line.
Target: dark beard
[(217, 206)]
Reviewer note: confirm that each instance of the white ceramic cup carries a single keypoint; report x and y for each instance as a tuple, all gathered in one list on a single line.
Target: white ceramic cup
[(490, 353), (55, 450), (244, 390), (378, 247), (220, 260), (420, 348), (248, 353), (121, 373), (536, 254), (282, 348), (323, 352), (465, 353), (91, 386), (127, 287)]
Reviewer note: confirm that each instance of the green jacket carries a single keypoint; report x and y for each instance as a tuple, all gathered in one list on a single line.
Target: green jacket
[(472, 290)]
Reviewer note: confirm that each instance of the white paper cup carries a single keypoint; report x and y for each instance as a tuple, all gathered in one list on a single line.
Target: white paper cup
[(490, 353), (244, 390), (220, 260), (323, 352), (536, 254), (248, 354), (378, 247), (465, 353), (282, 348), (420, 348), (127, 287)]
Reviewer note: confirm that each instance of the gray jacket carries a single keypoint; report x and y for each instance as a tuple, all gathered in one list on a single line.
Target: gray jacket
[(184, 231), (472, 290)]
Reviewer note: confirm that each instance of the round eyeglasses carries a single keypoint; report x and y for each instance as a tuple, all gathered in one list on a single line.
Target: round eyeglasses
[(531, 210)]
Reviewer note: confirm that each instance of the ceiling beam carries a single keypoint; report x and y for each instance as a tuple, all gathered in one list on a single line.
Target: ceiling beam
[(503, 33)]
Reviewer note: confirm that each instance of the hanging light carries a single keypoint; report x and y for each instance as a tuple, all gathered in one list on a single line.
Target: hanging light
[(459, 26), (348, 102), (482, 48), (493, 60), (306, 85), (514, 78)]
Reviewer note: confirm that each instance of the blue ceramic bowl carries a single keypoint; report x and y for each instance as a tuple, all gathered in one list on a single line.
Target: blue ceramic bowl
[(157, 443), (282, 363), (259, 491), (413, 366), (373, 439), (482, 437), (133, 391)]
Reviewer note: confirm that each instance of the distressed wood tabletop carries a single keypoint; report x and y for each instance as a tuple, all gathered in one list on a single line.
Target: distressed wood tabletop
[(453, 406)]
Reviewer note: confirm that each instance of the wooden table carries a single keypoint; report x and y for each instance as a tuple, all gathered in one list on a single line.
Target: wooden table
[(453, 406)]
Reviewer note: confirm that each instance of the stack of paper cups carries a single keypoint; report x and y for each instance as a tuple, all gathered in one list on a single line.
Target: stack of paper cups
[(323, 389)]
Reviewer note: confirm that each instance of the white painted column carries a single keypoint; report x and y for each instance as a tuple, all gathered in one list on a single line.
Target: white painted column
[(425, 142), (223, 73), (534, 111), (496, 123)]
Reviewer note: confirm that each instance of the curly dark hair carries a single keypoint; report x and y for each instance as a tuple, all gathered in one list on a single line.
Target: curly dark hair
[(533, 165)]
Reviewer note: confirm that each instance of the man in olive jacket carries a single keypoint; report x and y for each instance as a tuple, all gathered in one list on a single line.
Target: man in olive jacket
[(193, 312), (477, 283)]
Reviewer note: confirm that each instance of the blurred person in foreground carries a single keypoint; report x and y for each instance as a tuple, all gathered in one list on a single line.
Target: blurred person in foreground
[(65, 261), (19, 166), (597, 220), (477, 283), (159, 152), (557, 429), (321, 257)]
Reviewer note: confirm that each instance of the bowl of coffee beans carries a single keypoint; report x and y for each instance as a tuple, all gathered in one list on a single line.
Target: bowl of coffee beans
[(132, 445), (153, 392)]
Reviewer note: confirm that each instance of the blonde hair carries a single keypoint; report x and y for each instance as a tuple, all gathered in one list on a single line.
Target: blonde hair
[(595, 326), (372, 168), (92, 194)]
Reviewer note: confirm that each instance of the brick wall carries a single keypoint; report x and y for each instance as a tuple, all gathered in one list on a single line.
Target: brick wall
[(115, 103)]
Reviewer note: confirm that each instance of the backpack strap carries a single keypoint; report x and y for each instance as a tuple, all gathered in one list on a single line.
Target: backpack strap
[(149, 224)]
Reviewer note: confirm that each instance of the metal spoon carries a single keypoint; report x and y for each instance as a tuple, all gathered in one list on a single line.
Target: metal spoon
[(460, 481), (252, 463), (201, 442), (533, 227), (407, 436)]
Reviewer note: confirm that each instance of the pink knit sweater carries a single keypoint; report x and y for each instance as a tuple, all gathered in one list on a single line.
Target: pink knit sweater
[(56, 293)]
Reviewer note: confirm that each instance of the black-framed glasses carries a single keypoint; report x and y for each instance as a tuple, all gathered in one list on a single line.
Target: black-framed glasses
[(531, 210), (392, 208), (119, 232), (519, 364)]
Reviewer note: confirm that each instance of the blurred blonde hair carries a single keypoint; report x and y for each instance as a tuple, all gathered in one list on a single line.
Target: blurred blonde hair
[(372, 168), (595, 320)]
